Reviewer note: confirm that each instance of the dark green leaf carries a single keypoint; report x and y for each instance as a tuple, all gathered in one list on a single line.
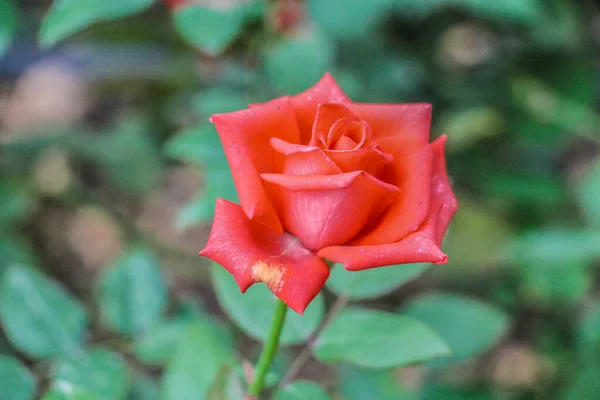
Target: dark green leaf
[(200, 356), (8, 24), (554, 246), (252, 311), (294, 65), (38, 316), (199, 145), (144, 388), (213, 29), (360, 384), (128, 157), (98, 371), (302, 390), (588, 193), (16, 381), (584, 386), (440, 392), (132, 292), (365, 15), (17, 201), (67, 17), (588, 335), (157, 345), (14, 250), (376, 339), (373, 282), (556, 285), (218, 101), (510, 11), (469, 326)]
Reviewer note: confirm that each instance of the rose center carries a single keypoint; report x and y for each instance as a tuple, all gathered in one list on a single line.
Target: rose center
[(347, 134)]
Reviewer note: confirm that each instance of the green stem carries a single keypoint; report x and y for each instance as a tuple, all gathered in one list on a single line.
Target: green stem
[(269, 350)]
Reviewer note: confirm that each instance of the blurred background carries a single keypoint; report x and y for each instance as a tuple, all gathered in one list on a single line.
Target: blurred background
[(109, 171)]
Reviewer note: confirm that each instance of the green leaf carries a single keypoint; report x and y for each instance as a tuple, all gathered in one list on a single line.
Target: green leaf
[(8, 24), (440, 392), (554, 247), (67, 17), (294, 65), (219, 100), (468, 126), (127, 155), (157, 345), (201, 146), (588, 336), (200, 356), (211, 30), (365, 16), (588, 192), (100, 372), (469, 326), (16, 381), (376, 339), (361, 384), (17, 201), (524, 12), (374, 282), (14, 250), (38, 316), (68, 391), (252, 311), (555, 285), (302, 390), (132, 293), (584, 386), (144, 388)]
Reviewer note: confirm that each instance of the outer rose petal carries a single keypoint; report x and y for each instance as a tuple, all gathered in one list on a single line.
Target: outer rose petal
[(401, 130), (325, 210), (419, 246), (246, 138), (441, 189), (305, 104), (253, 253)]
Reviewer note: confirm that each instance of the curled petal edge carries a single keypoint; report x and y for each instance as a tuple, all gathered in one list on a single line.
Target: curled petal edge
[(253, 253)]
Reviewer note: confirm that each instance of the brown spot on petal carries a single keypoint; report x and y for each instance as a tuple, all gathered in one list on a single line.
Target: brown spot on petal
[(270, 274)]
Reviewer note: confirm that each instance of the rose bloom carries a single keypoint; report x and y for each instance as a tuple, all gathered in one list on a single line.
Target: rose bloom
[(321, 177)]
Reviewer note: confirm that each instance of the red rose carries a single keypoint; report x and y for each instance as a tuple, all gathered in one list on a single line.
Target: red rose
[(319, 176)]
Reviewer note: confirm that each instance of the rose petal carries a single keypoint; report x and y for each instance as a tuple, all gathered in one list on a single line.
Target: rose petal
[(304, 160), (441, 189), (246, 138), (401, 130), (305, 104), (419, 246), (326, 117), (324, 210), (368, 159), (253, 253)]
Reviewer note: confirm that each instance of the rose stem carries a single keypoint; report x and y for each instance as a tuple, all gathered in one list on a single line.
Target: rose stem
[(269, 349)]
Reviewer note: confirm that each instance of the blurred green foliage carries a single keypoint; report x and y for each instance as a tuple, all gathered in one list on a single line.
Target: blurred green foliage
[(114, 304)]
